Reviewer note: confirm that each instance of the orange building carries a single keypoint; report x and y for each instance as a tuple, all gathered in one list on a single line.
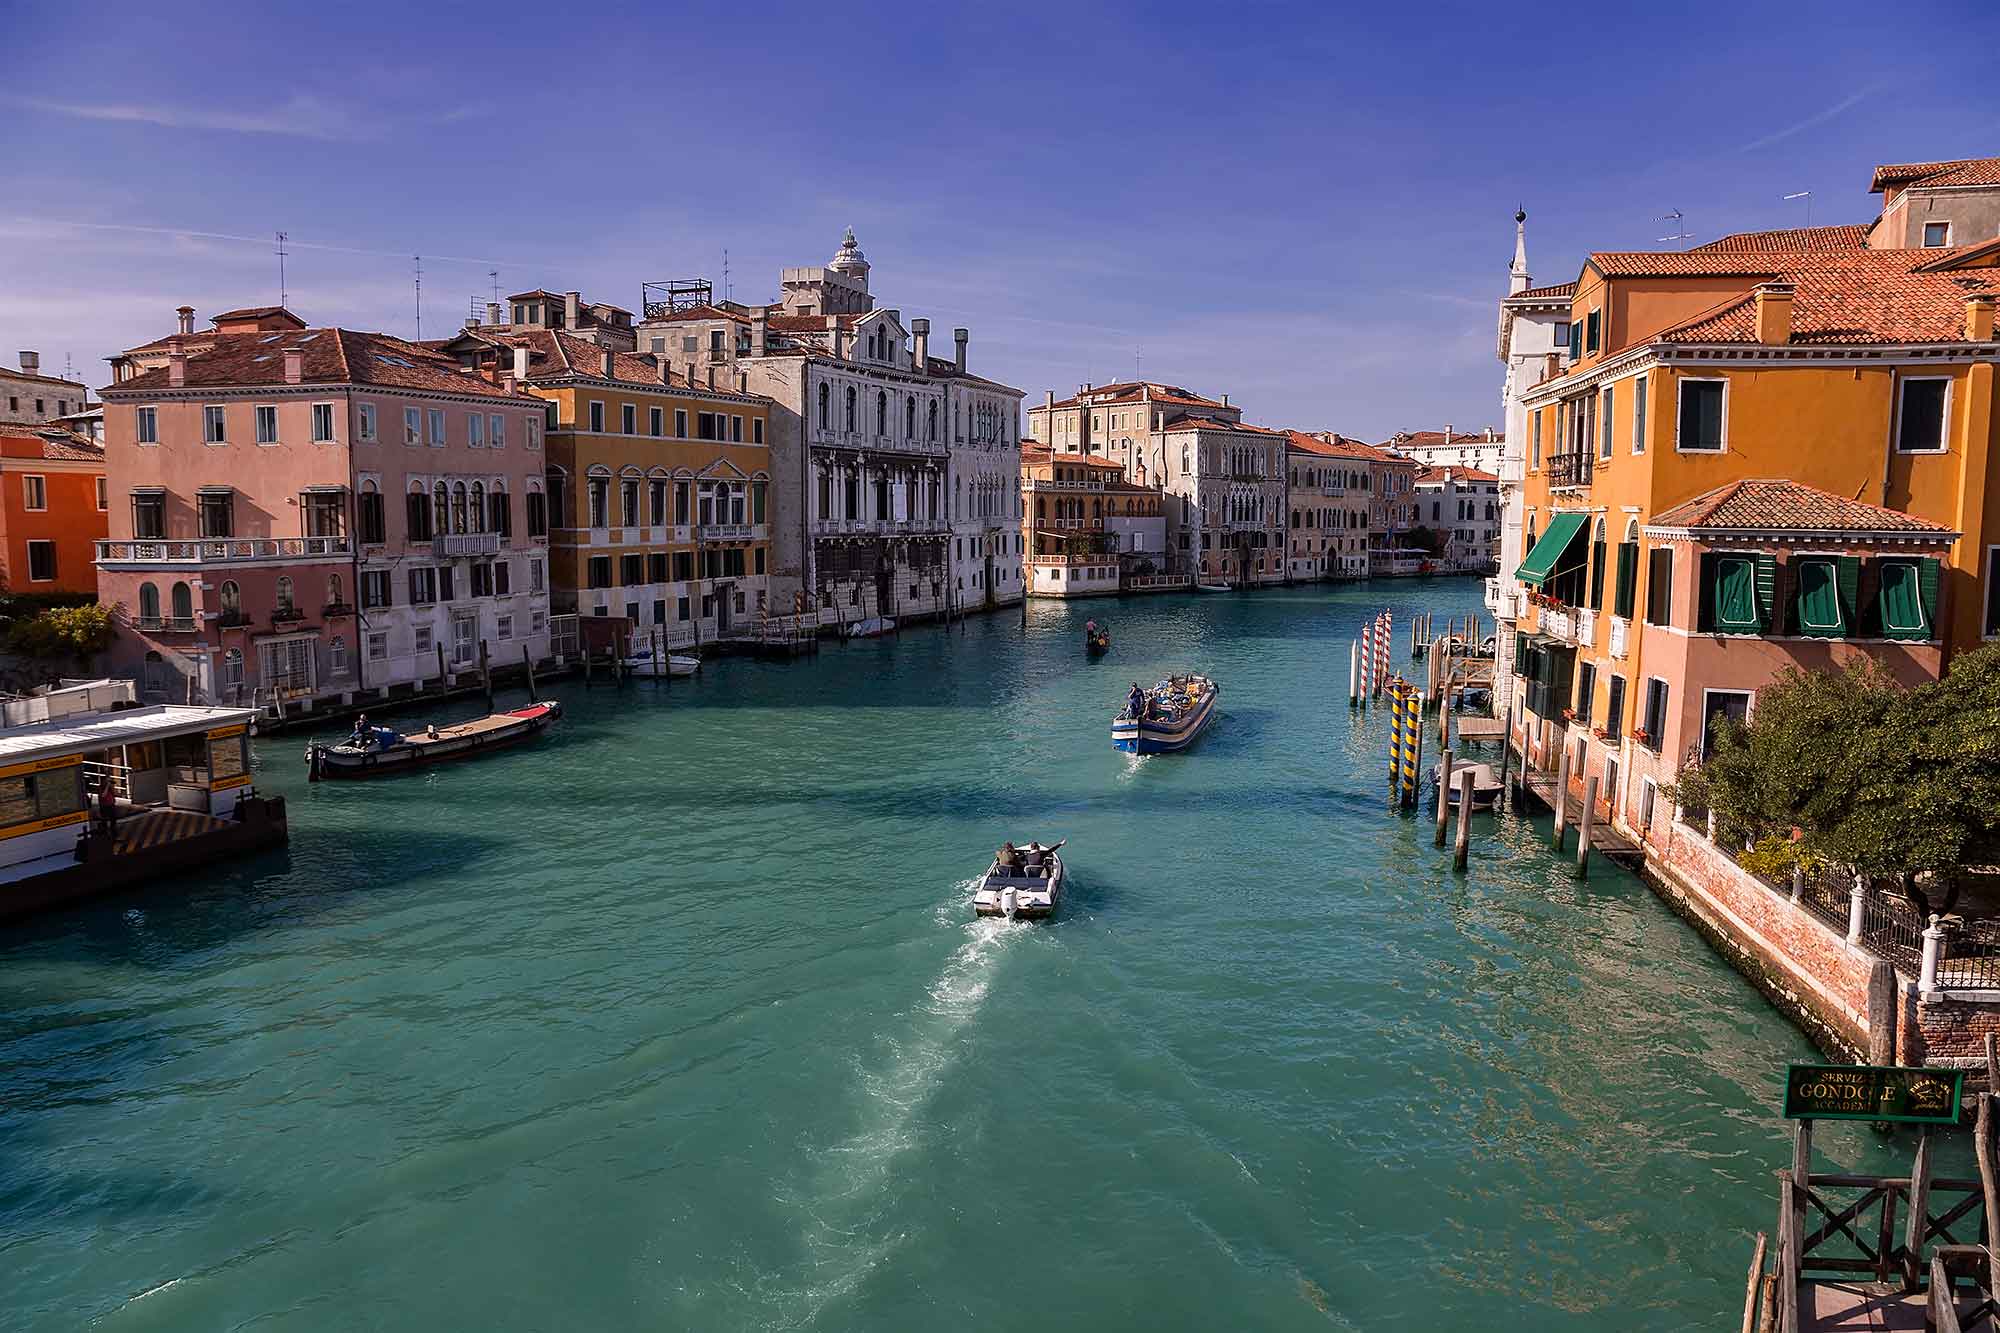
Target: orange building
[(54, 509), (1771, 450)]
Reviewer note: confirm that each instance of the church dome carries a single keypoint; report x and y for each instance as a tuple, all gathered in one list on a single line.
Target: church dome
[(849, 258)]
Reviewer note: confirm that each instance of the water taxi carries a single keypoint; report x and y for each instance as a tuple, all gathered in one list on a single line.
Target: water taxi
[(375, 751), (1029, 890), (100, 792), (1213, 587), (1167, 717), (674, 665)]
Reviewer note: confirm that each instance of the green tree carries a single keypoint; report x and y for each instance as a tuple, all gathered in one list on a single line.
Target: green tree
[(66, 632), (1894, 782)]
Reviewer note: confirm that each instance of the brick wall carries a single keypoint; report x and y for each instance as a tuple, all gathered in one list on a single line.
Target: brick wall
[(1954, 1031)]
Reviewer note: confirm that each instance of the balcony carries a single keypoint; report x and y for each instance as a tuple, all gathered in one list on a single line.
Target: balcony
[(332, 609), (1070, 524), (1038, 484), (727, 532), (458, 545), (222, 551), (1570, 470), (165, 624), (1503, 598), (1570, 624)]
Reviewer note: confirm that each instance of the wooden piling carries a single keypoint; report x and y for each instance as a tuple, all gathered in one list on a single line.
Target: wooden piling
[(1354, 673), (1562, 796), (1756, 1276), (1444, 795), (1506, 753), (1584, 824), (1461, 850), (486, 672), (586, 663), (444, 680), (528, 664), (1882, 1013)]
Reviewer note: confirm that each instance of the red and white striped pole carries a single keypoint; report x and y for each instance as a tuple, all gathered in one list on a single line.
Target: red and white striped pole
[(1382, 636), (1367, 658)]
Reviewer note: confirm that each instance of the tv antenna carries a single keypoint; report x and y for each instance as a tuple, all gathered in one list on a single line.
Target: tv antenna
[(1137, 349), (494, 275), (728, 291), (1801, 194), (281, 253), (1681, 233), (418, 260)]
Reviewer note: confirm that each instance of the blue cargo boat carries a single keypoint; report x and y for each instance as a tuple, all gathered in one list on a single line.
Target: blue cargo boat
[(1167, 717)]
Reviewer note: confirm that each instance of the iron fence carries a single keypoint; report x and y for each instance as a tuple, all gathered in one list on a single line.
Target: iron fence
[(1892, 927)]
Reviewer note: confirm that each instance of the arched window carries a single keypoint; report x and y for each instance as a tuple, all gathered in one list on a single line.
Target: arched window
[(881, 413), (183, 603), (333, 591), (232, 671), (458, 506), (149, 602), (476, 512), (284, 592), (933, 424), (232, 600), (336, 656), (825, 408), (850, 407), (440, 510), (417, 514), (909, 418)]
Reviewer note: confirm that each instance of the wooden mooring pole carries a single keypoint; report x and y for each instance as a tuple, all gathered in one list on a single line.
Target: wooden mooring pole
[(528, 664), (1461, 850), (1444, 795), (486, 672), (1588, 818), (1562, 795), (1506, 749)]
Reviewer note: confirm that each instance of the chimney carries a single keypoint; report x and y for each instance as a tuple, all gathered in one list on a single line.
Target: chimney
[(1225, 400), (711, 377), (839, 337), (920, 337), (186, 314), (606, 365), (742, 381), (572, 309), (493, 313), (959, 337), (1447, 432), (295, 365), (177, 369), (1774, 312), (1048, 400), (520, 362), (1978, 320), (31, 363), (760, 330), (472, 321), (666, 369)]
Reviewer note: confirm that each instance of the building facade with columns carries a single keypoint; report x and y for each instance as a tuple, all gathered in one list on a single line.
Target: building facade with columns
[(867, 460)]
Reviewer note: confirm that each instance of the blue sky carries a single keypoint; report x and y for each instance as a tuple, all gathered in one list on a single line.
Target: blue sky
[(1308, 207)]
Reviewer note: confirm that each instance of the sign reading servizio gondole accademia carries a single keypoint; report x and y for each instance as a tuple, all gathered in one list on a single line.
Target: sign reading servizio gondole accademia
[(1873, 1092)]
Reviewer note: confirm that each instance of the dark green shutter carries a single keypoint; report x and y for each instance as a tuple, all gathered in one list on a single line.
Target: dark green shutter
[(1705, 575), (1847, 578), (1729, 594), (1817, 610), (1597, 576), (1628, 579), (1900, 605), (1927, 587), (1767, 590)]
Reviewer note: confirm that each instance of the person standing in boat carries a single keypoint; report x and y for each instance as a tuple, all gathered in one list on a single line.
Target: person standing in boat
[(107, 804), (1135, 703)]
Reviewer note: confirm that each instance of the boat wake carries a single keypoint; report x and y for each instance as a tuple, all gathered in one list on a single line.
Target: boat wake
[(849, 1210)]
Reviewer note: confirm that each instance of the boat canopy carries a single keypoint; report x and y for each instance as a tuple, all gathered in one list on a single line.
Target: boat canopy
[(1563, 530)]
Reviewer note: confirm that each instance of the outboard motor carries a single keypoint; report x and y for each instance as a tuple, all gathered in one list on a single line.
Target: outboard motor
[(1010, 903)]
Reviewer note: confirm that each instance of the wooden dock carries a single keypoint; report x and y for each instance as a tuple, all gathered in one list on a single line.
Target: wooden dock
[(1603, 837)]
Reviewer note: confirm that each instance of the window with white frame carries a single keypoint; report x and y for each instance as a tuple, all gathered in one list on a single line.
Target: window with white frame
[(365, 422), (423, 642), (475, 430), (214, 429), (437, 428), (1649, 795), (496, 431), (1604, 426), (1923, 411), (267, 424), (378, 646), (1937, 235), (503, 627), (322, 423), (413, 426), (146, 425), (1703, 418)]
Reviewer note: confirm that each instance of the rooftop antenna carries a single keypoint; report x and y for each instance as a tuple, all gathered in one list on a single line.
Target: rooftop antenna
[(494, 275), (1136, 350), (1681, 233), (1801, 194), (281, 252), (418, 260), (728, 291)]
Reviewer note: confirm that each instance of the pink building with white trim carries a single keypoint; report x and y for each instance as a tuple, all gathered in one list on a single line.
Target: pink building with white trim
[(317, 514)]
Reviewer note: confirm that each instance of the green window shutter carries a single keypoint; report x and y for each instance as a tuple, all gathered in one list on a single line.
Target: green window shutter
[(1597, 576), (1900, 604), (1817, 601), (1729, 593), (1927, 589), (1704, 593), (1766, 575), (1847, 582), (1628, 578)]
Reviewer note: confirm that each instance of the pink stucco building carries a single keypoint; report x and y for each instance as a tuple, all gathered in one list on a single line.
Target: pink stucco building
[(312, 514)]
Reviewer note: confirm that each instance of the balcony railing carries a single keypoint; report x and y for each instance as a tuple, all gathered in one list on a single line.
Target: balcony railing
[(1571, 624), (726, 532), (1071, 524), (1503, 598), (1570, 469), (1039, 484), (218, 551), (460, 544), (165, 624)]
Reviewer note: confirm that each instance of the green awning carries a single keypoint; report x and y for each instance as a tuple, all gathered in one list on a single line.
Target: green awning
[(1541, 562)]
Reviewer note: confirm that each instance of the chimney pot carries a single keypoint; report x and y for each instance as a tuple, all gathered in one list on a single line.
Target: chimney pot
[(186, 314), (1225, 400), (760, 330), (295, 365), (959, 338), (177, 369), (666, 369), (607, 364), (1979, 319), (920, 339), (1773, 307), (572, 309), (472, 321), (520, 362), (31, 363), (493, 313)]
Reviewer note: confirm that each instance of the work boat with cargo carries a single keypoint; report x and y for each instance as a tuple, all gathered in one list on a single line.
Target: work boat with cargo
[(1167, 717), (375, 751)]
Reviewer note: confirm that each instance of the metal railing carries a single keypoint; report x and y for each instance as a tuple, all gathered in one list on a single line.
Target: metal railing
[(464, 544), (1571, 468)]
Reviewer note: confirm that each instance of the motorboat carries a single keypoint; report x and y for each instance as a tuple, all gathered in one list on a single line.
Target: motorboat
[(1213, 587), (375, 751), (645, 664), (1485, 785), (1027, 891), (1169, 716), (871, 627)]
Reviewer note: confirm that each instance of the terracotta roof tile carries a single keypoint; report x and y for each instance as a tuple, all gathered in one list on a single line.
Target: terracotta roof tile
[(1438, 475), (1193, 421), (8, 372), (331, 356), (1846, 236), (1855, 297), (1958, 171), (1554, 293), (1775, 504), (49, 442)]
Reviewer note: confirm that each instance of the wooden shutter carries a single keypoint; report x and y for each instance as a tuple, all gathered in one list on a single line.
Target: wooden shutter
[(1766, 575), (1847, 581), (1816, 600), (1597, 552), (1927, 589), (1660, 586), (1899, 603), (1628, 579)]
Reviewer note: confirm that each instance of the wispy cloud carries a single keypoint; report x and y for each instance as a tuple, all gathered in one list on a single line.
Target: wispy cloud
[(179, 234), (300, 117), (1817, 118)]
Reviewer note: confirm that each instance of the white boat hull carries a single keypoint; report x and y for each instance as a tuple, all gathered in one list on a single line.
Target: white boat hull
[(677, 665), (1020, 897)]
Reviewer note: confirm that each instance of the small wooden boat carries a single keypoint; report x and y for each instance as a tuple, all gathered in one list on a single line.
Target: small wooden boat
[(645, 664), (1485, 785), (1096, 639), (1213, 587), (1172, 714), (1029, 891), (383, 750), (871, 627)]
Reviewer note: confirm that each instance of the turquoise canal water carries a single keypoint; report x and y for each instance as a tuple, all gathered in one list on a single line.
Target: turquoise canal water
[(678, 1020)]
